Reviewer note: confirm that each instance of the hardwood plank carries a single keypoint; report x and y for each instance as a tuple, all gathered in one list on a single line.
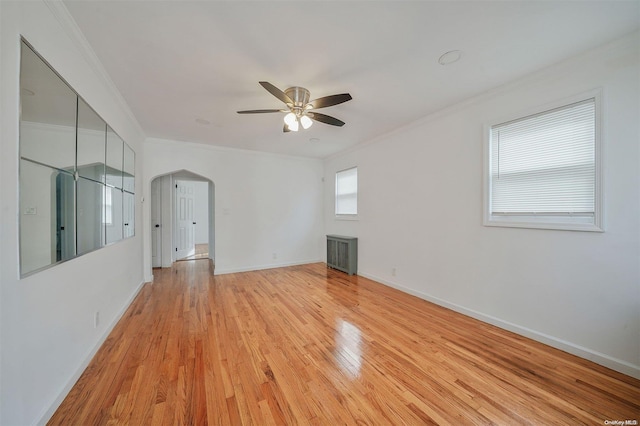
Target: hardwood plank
[(311, 345)]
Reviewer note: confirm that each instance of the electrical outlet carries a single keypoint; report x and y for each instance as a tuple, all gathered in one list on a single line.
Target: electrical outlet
[(275, 255), (393, 272), (96, 319)]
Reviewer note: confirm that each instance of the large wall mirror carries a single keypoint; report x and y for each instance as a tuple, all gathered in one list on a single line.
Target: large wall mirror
[(77, 180)]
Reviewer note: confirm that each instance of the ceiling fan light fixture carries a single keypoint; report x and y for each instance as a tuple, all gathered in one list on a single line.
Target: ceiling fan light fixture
[(289, 119), (299, 110), (306, 122)]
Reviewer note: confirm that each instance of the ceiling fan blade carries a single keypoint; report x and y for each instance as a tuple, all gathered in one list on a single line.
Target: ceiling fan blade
[(259, 111), (326, 119), (332, 100), (276, 92)]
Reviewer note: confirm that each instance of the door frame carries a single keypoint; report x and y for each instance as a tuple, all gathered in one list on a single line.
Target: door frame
[(167, 221), (155, 220)]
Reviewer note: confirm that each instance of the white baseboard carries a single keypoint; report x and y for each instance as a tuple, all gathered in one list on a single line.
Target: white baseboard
[(85, 363), (586, 353), (261, 267)]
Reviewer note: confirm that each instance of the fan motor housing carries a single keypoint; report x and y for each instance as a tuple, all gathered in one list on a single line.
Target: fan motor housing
[(299, 96)]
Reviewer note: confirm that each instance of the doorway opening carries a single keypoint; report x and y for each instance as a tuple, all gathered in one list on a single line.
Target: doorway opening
[(182, 218), (201, 252)]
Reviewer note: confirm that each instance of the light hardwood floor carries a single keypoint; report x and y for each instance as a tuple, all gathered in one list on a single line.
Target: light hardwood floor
[(310, 345), (201, 253)]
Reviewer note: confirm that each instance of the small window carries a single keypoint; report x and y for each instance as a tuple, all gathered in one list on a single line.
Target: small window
[(543, 170), (347, 192)]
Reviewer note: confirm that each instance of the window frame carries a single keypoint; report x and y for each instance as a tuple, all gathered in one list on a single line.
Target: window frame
[(345, 216), (553, 222)]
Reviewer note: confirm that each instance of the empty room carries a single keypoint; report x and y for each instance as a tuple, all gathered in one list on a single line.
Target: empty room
[(319, 212)]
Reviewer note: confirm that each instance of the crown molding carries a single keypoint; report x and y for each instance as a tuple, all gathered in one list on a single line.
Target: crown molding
[(62, 15), (629, 42), (220, 148)]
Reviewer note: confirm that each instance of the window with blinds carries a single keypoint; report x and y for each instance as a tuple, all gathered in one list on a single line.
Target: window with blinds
[(543, 169), (347, 192)]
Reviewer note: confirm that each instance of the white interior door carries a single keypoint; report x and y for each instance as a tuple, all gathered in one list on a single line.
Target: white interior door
[(156, 223), (185, 225)]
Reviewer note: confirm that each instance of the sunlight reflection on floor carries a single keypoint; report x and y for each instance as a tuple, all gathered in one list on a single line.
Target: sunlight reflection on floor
[(348, 350)]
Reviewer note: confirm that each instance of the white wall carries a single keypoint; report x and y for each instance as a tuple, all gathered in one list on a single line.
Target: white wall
[(420, 211), (46, 320), (268, 208)]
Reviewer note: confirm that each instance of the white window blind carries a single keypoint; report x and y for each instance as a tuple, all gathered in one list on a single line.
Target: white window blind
[(347, 192), (544, 165)]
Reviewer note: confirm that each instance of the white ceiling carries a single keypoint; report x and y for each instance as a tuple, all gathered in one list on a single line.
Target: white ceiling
[(178, 61)]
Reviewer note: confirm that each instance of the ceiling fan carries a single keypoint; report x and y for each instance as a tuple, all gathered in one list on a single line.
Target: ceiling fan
[(299, 107)]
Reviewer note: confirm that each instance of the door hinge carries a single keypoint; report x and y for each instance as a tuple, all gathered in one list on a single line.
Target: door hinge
[(176, 248)]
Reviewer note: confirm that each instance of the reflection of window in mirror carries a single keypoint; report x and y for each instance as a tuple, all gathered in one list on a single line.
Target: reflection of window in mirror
[(114, 229), (90, 215), (108, 205)]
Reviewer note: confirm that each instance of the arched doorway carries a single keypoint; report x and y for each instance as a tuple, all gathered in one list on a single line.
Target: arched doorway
[(182, 213)]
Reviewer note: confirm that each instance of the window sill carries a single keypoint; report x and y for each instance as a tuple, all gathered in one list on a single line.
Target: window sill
[(542, 223), (347, 217)]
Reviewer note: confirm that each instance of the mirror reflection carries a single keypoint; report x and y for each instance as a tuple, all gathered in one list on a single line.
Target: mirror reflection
[(115, 157), (48, 114), (91, 215), (91, 140), (129, 168), (47, 233), (113, 214), (76, 174), (128, 214)]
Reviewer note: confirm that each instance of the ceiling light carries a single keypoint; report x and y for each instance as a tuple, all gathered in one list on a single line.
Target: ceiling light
[(449, 57), (297, 100), (289, 119), (306, 122), (293, 126)]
